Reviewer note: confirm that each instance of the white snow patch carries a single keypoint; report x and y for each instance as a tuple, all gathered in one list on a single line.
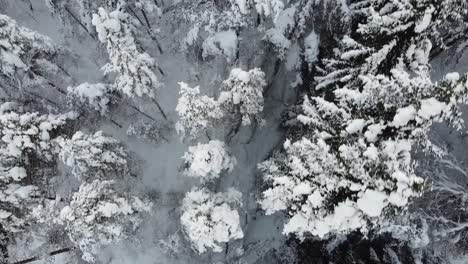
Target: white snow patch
[(430, 108), (404, 115), (311, 47), (355, 126), (372, 202)]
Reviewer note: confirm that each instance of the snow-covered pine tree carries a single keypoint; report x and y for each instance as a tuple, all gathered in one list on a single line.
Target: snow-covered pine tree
[(197, 113), (216, 26), (372, 106), (27, 161), (94, 156), (208, 161), (210, 219), (134, 69), (96, 95), (242, 95), (148, 131), (80, 13), (99, 214), (24, 57)]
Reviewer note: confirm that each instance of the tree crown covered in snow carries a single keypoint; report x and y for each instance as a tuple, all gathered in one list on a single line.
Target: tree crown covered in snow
[(208, 161), (96, 95), (372, 106), (26, 143), (19, 46), (134, 69), (93, 156), (98, 215), (196, 112), (243, 93), (209, 219)]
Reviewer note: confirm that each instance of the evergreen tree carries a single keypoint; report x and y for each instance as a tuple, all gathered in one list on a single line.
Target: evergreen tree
[(27, 162), (372, 104), (93, 156), (196, 112), (209, 219), (135, 69), (242, 95), (99, 215), (208, 161)]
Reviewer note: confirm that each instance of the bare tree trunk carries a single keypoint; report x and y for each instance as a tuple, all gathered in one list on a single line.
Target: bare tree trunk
[(146, 18), (115, 123), (41, 97), (133, 107), (147, 27), (160, 108), (79, 22), (53, 253)]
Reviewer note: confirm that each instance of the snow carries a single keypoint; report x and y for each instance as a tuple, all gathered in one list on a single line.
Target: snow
[(373, 131), (345, 217), (111, 22), (269, 8), (211, 218), (134, 69), (94, 94), (160, 170), (24, 192), (226, 41), (355, 126), (316, 199), (97, 216), (242, 4), (371, 152), (17, 173), (207, 161), (277, 35), (426, 20), (4, 214), (197, 112), (303, 188), (372, 202), (311, 47), (245, 90), (431, 108), (240, 75), (452, 77), (403, 116), (108, 209)]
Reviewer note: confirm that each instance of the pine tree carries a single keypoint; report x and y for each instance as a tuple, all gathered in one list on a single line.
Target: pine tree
[(93, 156), (26, 153), (242, 95), (99, 215), (24, 56), (135, 70), (209, 219), (97, 95), (197, 113), (208, 161), (372, 104)]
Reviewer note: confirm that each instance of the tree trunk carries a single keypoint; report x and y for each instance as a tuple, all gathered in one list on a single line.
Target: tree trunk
[(53, 253), (133, 107), (79, 22), (160, 108)]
